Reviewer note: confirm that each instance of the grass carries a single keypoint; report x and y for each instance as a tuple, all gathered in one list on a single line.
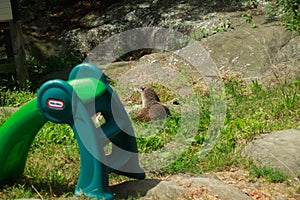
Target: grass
[(271, 175), (252, 109), (14, 97)]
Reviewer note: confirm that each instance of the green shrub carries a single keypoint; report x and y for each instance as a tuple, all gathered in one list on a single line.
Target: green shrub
[(289, 11)]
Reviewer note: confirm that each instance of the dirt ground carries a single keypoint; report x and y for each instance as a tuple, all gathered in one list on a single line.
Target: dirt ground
[(260, 189)]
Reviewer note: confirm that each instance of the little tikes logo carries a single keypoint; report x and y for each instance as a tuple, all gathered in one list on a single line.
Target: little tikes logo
[(55, 104)]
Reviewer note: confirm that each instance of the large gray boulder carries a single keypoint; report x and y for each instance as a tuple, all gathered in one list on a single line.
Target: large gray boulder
[(179, 187), (186, 16), (279, 150), (267, 53)]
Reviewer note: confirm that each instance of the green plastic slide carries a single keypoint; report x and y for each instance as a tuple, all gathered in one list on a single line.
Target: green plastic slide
[(16, 136)]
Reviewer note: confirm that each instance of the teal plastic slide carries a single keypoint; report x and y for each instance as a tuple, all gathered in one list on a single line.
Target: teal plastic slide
[(74, 102), (16, 136)]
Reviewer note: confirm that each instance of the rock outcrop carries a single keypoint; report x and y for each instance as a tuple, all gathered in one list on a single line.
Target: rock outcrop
[(279, 150), (179, 187)]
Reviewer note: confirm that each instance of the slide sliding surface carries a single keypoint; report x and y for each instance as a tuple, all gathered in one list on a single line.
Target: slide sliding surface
[(16, 136)]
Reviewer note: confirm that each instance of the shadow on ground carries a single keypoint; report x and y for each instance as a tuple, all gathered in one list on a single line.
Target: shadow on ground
[(133, 188)]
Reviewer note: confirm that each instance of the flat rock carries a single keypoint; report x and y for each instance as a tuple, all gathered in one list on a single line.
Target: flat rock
[(178, 187), (279, 150), (268, 53), (268, 58)]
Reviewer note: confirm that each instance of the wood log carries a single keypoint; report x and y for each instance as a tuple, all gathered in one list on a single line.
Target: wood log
[(17, 41)]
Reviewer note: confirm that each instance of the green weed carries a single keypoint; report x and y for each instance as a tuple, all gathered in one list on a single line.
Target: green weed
[(289, 11), (14, 97), (248, 18), (252, 3), (50, 64), (201, 32), (156, 135), (271, 175)]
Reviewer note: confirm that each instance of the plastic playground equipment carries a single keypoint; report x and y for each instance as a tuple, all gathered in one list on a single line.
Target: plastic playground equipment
[(74, 102)]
